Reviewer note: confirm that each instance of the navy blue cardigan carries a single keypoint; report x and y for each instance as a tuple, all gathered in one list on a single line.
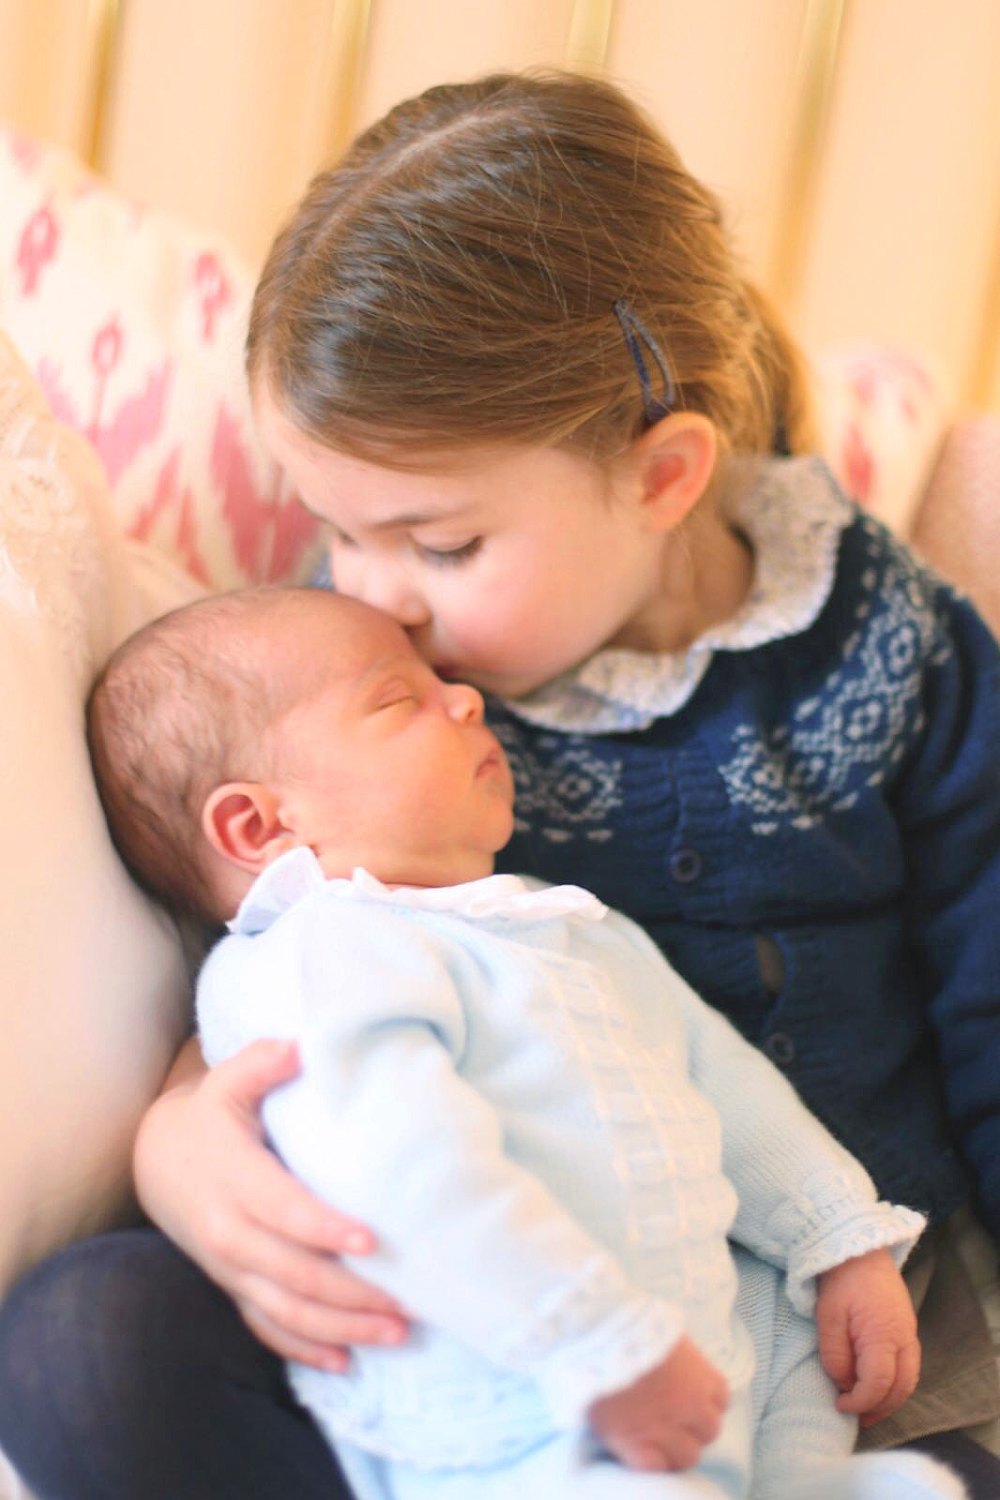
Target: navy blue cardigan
[(830, 803)]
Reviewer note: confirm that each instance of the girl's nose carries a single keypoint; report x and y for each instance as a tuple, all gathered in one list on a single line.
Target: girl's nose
[(465, 703), (382, 585)]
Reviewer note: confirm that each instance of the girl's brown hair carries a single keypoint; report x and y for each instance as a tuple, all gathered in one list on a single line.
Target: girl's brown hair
[(453, 281)]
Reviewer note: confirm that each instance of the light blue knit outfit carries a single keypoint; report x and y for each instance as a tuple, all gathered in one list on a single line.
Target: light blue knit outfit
[(542, 1122)]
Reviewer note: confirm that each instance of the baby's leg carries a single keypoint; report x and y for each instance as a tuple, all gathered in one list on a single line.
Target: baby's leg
[(564, 1468), (803, 1445)]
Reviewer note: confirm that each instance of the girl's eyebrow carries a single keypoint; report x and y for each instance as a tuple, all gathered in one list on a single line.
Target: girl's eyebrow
[(412, 518), (406, 518)]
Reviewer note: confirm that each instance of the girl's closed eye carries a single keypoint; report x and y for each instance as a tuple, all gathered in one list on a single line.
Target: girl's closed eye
[(448, 557)]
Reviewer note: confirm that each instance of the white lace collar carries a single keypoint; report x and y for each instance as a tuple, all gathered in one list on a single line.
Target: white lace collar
[(297, 875), (793, 514)]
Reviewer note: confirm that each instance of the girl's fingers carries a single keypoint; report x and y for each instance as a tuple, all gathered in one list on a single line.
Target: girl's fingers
[(286, 1346), (263, 1193), (311, 1277), (281, 1205), (314, 1322), (246, 1078)]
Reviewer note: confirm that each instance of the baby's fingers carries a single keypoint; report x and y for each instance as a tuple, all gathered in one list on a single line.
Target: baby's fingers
[(905, 1383), (877, 1367), (836, 1349)]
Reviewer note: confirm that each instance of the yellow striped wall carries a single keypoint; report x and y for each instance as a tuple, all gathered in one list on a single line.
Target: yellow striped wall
[(856, 142)]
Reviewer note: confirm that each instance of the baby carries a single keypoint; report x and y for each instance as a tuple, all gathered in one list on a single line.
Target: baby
[(550, 1134)]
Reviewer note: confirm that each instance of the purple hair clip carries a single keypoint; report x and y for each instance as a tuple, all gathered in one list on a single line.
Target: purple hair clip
[(639, 340)]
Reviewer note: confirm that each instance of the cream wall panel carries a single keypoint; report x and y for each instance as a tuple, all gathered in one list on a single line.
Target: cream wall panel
[(726, 94), (984, 377), (903, 241), (872, 208), (219, 110), (987, 391), (415, 43), (46, 68)]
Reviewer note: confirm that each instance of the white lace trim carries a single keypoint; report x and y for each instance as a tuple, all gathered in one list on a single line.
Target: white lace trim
[(59, 543), (297, 875), (793, 514)]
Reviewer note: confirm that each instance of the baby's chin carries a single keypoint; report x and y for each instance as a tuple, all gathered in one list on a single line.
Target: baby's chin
[(421, 875)]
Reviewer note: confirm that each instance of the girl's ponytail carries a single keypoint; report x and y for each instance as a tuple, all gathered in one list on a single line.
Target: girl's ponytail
[(784, 402)]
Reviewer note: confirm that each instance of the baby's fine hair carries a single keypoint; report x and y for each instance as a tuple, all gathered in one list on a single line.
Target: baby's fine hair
[(453, 280), (180, 708)]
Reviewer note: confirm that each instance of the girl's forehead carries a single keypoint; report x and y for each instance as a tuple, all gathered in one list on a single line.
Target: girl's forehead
[(430, 477)]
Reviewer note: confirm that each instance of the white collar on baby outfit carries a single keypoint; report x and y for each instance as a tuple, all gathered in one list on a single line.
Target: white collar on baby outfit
[(793, 513), (295, 876)]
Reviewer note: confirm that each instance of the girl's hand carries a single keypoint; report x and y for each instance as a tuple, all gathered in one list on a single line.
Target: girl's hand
[(868, 1335), (204, 1175), (666, 1417)]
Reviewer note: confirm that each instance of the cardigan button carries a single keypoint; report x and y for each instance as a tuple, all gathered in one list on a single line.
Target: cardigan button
[(685, 865), (780, 1048)]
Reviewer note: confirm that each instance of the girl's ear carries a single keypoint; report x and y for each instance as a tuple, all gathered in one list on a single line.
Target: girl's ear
[(242, 822), (675, 462)]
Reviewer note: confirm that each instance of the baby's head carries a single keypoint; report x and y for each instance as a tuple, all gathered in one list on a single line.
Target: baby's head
[(245, 725)]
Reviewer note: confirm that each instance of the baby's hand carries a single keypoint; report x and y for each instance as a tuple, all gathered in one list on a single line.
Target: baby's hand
[(664, 1419), (868, 1335)]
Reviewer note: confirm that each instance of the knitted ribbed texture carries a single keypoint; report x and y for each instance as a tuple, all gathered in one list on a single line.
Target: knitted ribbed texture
[(532, 1112), (829, 788)]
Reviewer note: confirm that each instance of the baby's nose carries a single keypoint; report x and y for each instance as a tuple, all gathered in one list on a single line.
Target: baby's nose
[(465, 703)]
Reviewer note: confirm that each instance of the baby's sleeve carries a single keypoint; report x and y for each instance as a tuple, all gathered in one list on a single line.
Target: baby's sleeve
[(805, 1203), (382, 1124)]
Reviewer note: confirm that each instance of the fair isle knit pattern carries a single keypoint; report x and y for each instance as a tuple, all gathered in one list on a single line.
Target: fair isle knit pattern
[(820, 777), (851, 734)]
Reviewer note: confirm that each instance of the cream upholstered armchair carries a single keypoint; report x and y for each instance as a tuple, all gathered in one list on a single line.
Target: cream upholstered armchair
[(130, 479)]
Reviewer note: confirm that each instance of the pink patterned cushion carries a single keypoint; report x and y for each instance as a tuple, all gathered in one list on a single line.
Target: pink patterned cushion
[(958, 525), (882, 417), (133, 325)]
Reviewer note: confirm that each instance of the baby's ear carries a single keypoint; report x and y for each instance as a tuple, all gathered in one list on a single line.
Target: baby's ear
[(675, 462), (242, 822)]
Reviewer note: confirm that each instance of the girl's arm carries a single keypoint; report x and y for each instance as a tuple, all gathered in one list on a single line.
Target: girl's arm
[(204, 1175), (947, 800)]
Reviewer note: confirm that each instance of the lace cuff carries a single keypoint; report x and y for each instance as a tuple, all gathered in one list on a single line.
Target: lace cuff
[(884, 1226), (595, 1337)]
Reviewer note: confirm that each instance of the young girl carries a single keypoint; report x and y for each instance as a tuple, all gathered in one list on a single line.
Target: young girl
[(504, 349)]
